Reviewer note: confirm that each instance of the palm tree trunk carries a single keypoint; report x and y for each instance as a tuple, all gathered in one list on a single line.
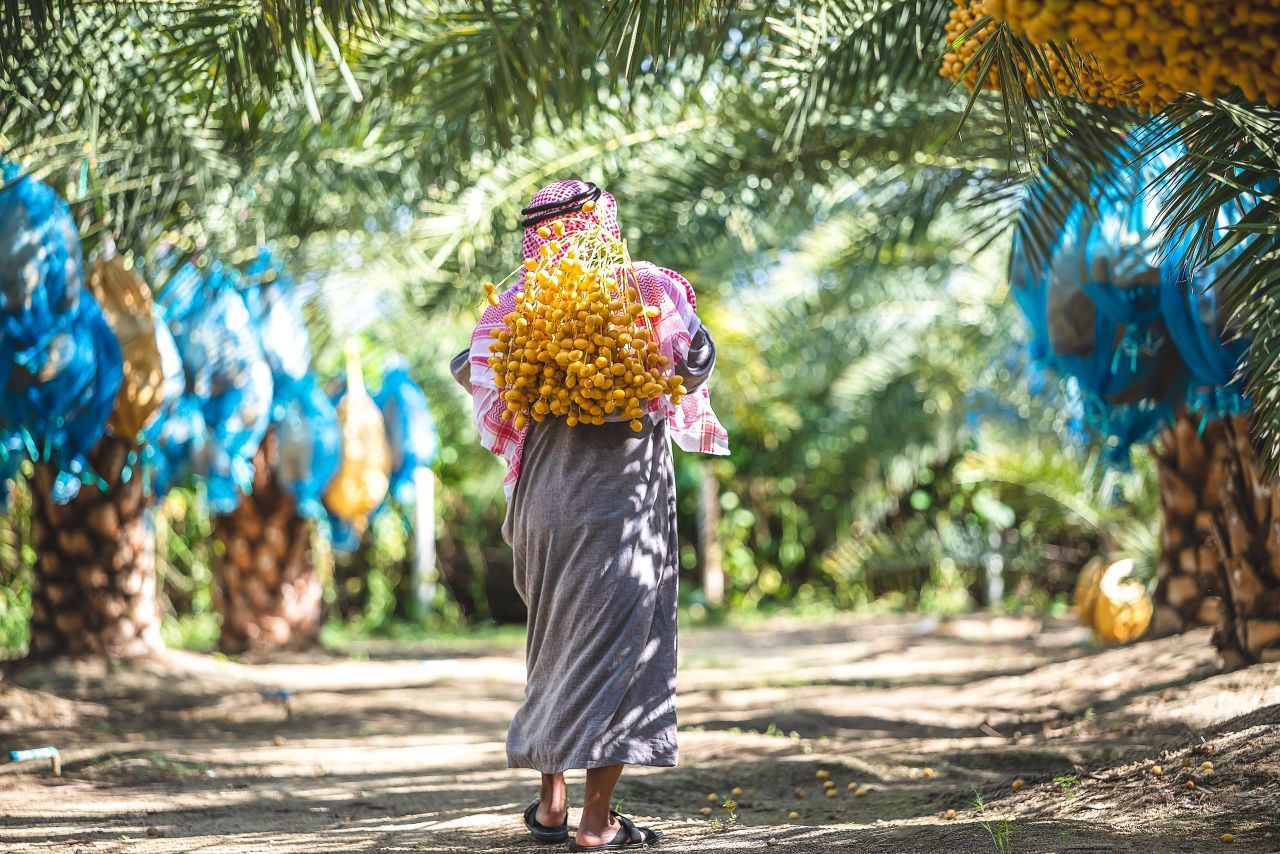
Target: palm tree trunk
[(268, 592), (1221, 540), (1190, 465), (94, 589), (1247, 531)]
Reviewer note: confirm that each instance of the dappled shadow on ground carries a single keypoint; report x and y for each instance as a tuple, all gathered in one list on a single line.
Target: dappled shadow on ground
[(380, 812), (968, 837), (822, 724), (395, 755)]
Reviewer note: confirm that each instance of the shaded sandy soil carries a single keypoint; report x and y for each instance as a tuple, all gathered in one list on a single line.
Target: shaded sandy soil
[(403, 751)]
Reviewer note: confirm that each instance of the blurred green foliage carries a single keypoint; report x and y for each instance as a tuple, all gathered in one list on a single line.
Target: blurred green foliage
[(891, 448), (185, 549), (16, 560)]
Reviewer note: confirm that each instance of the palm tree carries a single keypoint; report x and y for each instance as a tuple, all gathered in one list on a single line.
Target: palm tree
[(821, 50), (94, 586), (142, 148), (94, 569), (717, 121), (1216, 494), (1194, 465), (268, 592)]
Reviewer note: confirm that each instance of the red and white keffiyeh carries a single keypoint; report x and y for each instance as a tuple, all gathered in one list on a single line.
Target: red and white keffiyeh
[(693, 425)]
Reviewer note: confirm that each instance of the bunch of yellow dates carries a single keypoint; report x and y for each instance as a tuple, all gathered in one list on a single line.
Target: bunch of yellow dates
[(1072, 73), (1173, 46), (580, 342), (1142, 54)]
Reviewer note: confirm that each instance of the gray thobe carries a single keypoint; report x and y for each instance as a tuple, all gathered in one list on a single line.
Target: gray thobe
[(592, 524)]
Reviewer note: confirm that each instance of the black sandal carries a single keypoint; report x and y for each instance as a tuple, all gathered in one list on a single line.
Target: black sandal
[(541, 832), (629, 836)]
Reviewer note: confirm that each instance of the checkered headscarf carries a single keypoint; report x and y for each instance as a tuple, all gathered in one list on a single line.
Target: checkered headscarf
[(693, 424)]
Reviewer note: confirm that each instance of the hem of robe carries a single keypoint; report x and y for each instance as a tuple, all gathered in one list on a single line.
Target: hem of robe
[(662, 758)]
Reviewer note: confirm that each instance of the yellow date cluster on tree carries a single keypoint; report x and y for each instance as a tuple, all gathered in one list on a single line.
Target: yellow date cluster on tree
[(963, 18), (580, 343), (1086, 80), (1172, 46)]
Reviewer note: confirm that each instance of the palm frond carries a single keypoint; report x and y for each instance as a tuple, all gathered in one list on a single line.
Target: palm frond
[(493, 67), (1232, 164), (842, 56), (26, 24), (237, 46), (122, 147), (648, 33)]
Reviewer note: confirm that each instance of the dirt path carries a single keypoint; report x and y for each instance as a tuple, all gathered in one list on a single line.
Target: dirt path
[(403, 751)]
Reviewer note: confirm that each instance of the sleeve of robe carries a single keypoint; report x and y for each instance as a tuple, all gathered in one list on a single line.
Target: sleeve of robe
[(695, 368), (460, 367)]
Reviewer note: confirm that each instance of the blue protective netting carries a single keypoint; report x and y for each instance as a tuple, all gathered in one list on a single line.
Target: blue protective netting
[(275, 300), (60, 363), (343, 536), (11, 457), (1190, 308), (168, 439), (310, 443), (411, 431), (227, 385), (179, 445), (1118, 309), (306, 423)]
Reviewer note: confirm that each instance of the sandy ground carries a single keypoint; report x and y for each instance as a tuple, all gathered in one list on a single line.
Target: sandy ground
[(402, 750)]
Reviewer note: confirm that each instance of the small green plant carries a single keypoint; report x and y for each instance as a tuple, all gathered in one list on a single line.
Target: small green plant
[(1000, 830), (1068, 783), (1001, 833), (730, 821)]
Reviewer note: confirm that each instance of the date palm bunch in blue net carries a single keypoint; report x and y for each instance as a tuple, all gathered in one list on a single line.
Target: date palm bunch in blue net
[(1124, 305), (60, 363)]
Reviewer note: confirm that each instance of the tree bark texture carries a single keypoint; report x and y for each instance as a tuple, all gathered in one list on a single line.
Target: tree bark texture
[(268, 592), (1220, 561), (94, 589)]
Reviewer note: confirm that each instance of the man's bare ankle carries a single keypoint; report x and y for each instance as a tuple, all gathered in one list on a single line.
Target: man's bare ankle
[(552, 815), (595, 826)]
